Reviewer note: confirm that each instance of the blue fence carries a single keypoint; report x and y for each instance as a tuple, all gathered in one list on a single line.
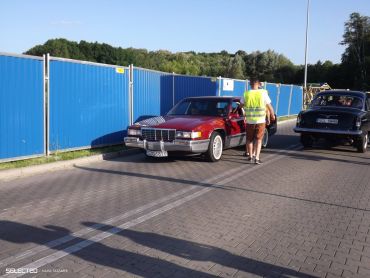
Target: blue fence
[(191, 86), (230, 87), (88, 104), (21, 107), (92, 104), (152, 92)]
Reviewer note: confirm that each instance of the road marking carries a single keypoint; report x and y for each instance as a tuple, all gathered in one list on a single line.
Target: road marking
[(54, 243), (103, 235)]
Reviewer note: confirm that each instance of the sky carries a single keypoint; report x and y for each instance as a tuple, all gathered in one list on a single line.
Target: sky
[(184, 25)]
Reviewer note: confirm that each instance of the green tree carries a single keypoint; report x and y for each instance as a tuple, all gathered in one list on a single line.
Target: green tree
[(356, 58)]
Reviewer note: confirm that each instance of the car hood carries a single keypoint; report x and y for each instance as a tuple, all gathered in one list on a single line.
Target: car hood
[(186, 123)]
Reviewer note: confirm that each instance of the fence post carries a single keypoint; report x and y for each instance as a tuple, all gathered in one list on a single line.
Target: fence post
[(173, 89), (277, 98), (131, 94), (290, 99), (219, 85), (46, 73)]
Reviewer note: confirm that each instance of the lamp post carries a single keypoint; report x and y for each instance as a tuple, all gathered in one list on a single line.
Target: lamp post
[(306, 45)]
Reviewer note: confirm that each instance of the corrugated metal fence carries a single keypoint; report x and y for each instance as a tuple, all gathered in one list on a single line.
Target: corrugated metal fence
[(52, 104), (21, 107)]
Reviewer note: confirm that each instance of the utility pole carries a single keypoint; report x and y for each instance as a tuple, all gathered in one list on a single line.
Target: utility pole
[(306, 46)]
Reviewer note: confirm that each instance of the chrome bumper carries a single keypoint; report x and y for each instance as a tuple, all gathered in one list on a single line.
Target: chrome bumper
[(327, 131), (195, 146)]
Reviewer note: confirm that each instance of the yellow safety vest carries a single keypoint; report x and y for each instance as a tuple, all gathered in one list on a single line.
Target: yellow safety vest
[(254, 105)]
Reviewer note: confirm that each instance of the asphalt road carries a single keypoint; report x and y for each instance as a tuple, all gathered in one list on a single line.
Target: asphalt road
[(303, 213)]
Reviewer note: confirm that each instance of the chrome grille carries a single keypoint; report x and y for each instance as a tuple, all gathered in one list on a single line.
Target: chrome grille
[(157, 134)]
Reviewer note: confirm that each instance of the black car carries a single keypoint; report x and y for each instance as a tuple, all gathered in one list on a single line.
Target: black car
[(340, 117)]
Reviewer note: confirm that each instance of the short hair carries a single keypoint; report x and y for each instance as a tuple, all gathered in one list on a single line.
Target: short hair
[(253, 80)]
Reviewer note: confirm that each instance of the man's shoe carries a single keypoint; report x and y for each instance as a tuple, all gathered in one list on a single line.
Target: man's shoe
[(257, 161)]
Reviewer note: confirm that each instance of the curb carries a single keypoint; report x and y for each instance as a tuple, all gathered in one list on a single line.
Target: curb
[(10, 174)]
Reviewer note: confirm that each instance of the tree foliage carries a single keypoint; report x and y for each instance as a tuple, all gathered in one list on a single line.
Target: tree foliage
[(267, 65), (356, 58)]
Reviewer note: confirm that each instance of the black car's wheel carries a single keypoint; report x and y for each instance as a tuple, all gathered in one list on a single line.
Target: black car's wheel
[(215, 147), (362, 143), (306, 140), (265, 139)]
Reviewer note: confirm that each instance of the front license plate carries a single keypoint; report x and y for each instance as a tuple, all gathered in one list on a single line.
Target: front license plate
[(157, 153), (327, 121)]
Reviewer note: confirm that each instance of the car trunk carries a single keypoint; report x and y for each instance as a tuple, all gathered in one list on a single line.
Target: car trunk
[(330, 119)]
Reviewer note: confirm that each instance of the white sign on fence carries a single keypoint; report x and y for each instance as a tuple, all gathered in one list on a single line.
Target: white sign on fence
[(228, 85)]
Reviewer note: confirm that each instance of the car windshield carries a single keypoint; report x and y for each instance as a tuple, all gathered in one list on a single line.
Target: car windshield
[(337, 101), (201, 107)]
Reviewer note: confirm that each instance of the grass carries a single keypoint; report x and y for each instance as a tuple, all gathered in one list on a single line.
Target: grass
[(60, 156), (285, 118)]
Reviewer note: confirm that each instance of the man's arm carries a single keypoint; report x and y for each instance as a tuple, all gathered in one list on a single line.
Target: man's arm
[(271, 110)]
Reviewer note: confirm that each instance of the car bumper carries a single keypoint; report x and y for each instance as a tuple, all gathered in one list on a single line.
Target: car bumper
[(196, 146), (327, 131)]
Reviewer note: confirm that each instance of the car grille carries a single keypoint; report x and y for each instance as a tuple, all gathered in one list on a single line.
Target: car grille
[(156, 134)]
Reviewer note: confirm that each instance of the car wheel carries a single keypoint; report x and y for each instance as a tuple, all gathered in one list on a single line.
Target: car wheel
[(306, 140), (362, 143), (215, 147), (265, 139)]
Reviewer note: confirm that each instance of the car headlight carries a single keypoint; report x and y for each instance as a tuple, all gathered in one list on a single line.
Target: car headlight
[(188, 134), (134, 132)]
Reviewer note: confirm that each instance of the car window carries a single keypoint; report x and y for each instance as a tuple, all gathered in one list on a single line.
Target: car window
[(180, 109), (235, 108), (201, 107), (348, 101)]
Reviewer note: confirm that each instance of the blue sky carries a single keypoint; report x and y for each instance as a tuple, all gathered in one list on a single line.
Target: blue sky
[(183, 25)]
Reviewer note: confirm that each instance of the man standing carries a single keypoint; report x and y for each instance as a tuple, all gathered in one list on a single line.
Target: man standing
[(256, 101)]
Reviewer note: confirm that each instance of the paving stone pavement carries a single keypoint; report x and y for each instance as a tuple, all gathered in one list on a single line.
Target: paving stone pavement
[(303, 213)]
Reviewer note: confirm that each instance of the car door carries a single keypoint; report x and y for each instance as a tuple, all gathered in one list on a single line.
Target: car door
[(235, 125)]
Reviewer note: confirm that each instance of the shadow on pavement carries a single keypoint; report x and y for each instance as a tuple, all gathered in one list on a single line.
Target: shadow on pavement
[(152, 177), (96, 252), (138, 264), (204, 253)]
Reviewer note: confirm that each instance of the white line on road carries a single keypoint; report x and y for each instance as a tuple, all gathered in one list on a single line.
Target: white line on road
[(57, 242), (100, 236)]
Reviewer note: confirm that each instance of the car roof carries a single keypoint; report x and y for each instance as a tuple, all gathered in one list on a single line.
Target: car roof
[(343, 92)]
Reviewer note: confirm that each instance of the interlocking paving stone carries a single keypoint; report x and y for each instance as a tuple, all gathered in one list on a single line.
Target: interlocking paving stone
[(306, 214)]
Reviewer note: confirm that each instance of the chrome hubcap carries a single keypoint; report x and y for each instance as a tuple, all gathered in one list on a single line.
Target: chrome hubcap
[(217, 147), (365, 141)]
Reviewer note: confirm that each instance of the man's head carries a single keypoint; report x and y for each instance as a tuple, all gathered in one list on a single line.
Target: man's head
[(255, 83)]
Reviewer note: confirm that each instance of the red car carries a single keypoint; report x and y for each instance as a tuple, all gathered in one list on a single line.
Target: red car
[(204, 125)]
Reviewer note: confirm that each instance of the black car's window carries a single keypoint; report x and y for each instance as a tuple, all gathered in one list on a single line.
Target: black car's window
[(201, 107), (337, 101)]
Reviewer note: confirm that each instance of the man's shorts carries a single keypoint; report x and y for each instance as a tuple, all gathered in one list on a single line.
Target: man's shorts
[(255, 131)]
